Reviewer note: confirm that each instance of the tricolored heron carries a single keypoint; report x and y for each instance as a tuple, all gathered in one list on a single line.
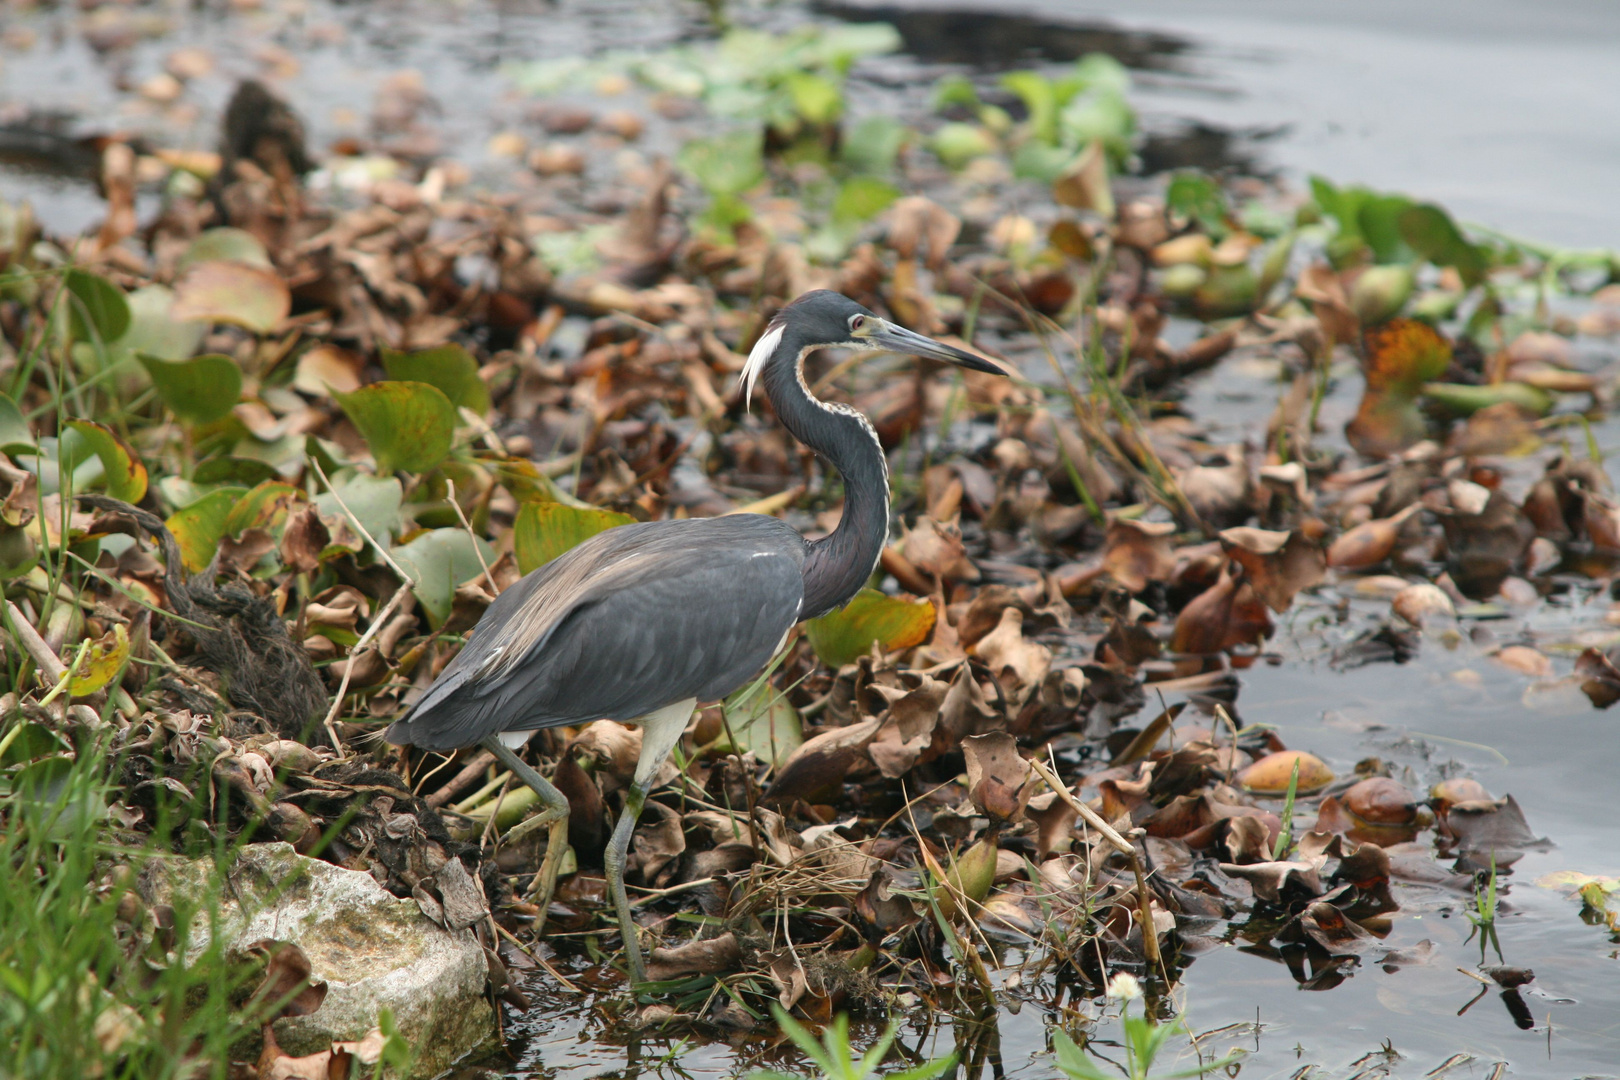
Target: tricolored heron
[(640, 623)]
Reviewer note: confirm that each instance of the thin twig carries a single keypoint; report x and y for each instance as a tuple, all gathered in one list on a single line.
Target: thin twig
[(462, 780), (365, 639), (50, 665), (361, 529), (450, 486)]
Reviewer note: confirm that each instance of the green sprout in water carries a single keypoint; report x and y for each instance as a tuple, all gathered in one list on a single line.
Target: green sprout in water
[(1285, 833), (835, 1060), (1145, 1040), (1483, 914)]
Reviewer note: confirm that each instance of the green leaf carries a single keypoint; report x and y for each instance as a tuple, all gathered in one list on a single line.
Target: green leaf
[(872, 144), (765, 723), (241, 471), (374, 501), (264, 507), (449, 367), (154, 330), (725, 164), (956, 144), (1073, 1061), (862, 198), (231, 245), (815, 98), (31, 741), (1379, 218), (408, 425), (18, 551), (124, 473), (14, 429), (841, 637), (102, 665), (200, 390), (200, 527), (1434, 236), (545, 530), (221, 291), (439, 560), (1198, 196), (1040, 101), (98, 308)]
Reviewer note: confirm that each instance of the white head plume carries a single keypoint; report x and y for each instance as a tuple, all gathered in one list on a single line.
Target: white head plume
[(761, 352)]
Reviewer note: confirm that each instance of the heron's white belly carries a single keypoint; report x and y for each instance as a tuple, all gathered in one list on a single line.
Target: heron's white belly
[(514, 739)]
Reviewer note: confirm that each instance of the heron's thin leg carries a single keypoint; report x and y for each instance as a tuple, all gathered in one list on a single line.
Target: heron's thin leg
[(555, 815), (660, 731), (618, 847)]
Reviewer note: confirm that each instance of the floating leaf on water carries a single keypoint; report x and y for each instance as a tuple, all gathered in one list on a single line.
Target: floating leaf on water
[(1431, 233), (227, 244), (439, 560), (124, 473), (841, 637), (104, 663), (862, 198), (200, 527), (725, 164), (407, 425), (221, 291), (98, 309), (544, 531), (201, 390), (451, 368), (956, 143)]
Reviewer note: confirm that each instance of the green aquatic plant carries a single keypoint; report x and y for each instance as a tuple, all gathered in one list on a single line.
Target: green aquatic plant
[(1145, 1040), (835, 1059)]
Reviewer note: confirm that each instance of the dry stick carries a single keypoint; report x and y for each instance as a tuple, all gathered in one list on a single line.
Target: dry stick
[(1150, 938), (462, 780), (50, 665), (450, 485)]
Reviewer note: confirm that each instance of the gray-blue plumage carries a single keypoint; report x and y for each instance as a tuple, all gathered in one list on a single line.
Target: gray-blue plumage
[(628, 621)]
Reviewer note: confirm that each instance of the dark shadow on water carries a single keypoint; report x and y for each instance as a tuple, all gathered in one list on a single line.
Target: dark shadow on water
[(1006, 39)]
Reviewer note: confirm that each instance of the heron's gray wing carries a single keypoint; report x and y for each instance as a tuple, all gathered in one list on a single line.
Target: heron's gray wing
[(667, 611)]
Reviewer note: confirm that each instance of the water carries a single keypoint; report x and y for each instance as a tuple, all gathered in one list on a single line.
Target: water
[(1507, 113)]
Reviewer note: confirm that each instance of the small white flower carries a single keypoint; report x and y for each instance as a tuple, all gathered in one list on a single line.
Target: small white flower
[(1124, 987)]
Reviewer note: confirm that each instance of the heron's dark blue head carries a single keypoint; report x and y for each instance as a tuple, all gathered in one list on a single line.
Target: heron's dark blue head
[(824, 319)]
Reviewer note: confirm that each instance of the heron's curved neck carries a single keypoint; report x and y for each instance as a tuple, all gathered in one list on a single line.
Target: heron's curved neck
[(840, 563)]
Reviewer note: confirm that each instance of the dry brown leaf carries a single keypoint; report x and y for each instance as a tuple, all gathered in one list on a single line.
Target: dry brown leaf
[(1020, 666)]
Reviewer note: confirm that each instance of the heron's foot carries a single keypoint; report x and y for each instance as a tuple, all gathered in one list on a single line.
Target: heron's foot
[(544, 885)]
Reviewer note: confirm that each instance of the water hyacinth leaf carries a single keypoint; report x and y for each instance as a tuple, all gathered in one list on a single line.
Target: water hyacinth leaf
[(1465, 399), (956, 144), (241, 471), (841, 637), (1401, 356), (14, 429), (123, 472), (221, 291), (1379, 217), (1040, 102), (102, 664), (451, 368), (200, 390), (1198, 197), (200, 527), (407, 425), (872, 145), (725, 164), (31, 742), (1431, 233), (765, 723), (862, 198), (225, 244), (815, 98), (18, 551), (98, 309), (265, 506), (374, 501), (153, 329), (439, 560), (543, 531)]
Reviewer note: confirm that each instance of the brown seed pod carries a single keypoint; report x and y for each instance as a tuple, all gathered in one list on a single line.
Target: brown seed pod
[(1379, 800)]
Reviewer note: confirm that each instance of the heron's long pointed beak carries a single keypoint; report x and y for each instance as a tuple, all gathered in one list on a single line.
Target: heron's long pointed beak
[(899, 339)]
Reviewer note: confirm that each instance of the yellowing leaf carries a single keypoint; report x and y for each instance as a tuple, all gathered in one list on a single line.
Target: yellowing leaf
[(841, 637), (125, 475), (199, 527), (264, 506), (408, 425), (545, 530), (449, 367), (222, 291), (104, 663), (1401, 356), (201, 390)]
